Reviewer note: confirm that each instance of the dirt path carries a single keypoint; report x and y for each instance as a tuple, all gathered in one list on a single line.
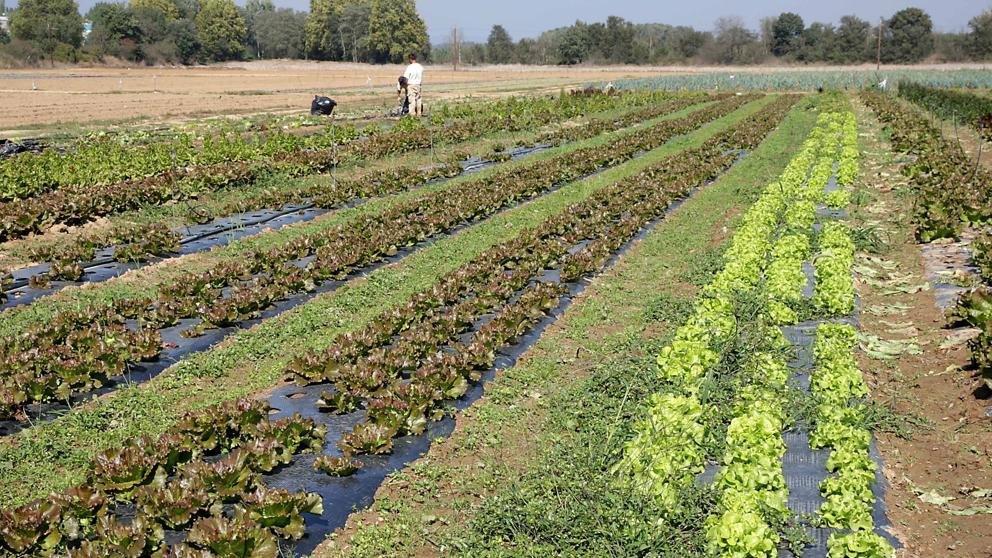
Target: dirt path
[(934, 426)]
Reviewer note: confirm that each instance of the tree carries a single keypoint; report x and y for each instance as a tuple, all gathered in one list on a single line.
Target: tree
[(320, 32), (4, 36), (252, 10), (353, 29), (499, 45), (851, 40), (397, 31), (908, 36), (184, 36), (221, 30), (733, 43), (786, 32), (980, 38), (279, 33), (574, 45), (617, 44), (817, 43), (686, 42), (527, 51), (112, 24), (165, 7), (48, 24)]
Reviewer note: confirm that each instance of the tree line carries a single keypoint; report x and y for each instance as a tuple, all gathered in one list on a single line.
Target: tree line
[(197, 31), (907, 37), (384, 31)]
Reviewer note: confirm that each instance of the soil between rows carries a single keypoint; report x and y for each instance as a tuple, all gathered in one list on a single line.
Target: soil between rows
[(935, 434)]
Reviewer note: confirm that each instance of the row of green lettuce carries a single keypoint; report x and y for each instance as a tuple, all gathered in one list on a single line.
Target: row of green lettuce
[(765, 263)]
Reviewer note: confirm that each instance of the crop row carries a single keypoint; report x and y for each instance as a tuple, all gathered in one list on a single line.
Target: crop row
[(71, 352), (67, 257), (952, 191), (173, 486), (205, 476), (959, 106), (410, 359), (838, 389), (76, 205), (669, 447), (974, 307), (105, 161), (139, 242)]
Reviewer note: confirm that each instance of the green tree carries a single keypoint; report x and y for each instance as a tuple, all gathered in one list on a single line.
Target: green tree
[(279, 33), (980, 38), (4, 37), (617, 44), (221, 30), (685, 42), (112, 24), (499, 45), (786, 32), (169, 9), (397, 31), (251, 12), (353, 29), (183, 35), (817, 43), (48, 24), (321, 30), (851, 40), (734, 43), (574, 46), (527, 51), (908, 37)]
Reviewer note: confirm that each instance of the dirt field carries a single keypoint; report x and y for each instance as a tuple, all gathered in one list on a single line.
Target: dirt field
[(45, 101)]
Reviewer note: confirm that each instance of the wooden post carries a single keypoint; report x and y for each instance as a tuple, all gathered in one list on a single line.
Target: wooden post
[(878, 52)]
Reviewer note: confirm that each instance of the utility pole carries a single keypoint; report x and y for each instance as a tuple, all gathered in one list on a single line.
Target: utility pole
[(456, 49), (878, 52)]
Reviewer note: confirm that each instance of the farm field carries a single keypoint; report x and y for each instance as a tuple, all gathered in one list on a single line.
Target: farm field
[(671, 319)]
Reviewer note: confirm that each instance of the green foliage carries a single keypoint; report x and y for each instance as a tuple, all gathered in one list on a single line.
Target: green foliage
[(499, 47), (574, 46), (48, 24), (851, 40), (221, 29), (397, 31), (961, 106), (280, 33), (165, 7), (320, 31), (112, 23), (980, 38), (861, 544), (786, 32), (353, 27), (908, 37)]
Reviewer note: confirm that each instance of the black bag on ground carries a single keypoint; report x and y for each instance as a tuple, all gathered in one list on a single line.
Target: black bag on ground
[(322, 105)]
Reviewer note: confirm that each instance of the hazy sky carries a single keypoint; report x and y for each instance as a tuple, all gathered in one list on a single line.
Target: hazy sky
[(528, 18)]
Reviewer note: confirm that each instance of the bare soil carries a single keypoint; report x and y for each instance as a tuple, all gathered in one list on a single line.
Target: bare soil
[(938, 456), (40, 100)]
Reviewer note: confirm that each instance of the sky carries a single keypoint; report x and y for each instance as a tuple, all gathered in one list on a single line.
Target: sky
[(528, 18)]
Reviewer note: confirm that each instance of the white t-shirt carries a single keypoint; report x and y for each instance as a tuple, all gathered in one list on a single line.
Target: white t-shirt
[(414, 74)]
